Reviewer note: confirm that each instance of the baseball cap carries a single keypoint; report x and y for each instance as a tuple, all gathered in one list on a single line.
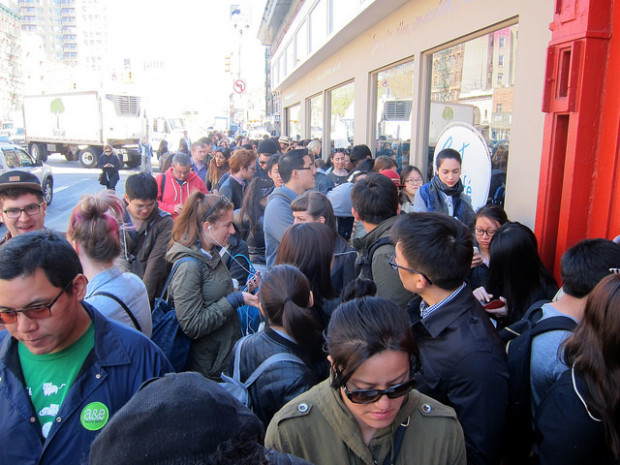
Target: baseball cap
[(16, 178), (393, 176)]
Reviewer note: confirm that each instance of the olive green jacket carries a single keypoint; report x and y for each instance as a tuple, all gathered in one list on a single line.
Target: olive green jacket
[(317, 426), (204, 314)]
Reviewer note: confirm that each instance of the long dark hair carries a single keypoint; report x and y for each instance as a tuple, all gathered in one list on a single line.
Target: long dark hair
[(285, 297), (251, 208), (515, 270), (361, 328), (593, 350), (310, 247)]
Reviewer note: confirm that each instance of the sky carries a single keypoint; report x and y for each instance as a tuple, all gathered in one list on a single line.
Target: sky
[(194, 36)]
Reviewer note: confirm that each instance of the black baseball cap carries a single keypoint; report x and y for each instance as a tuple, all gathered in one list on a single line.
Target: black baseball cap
[(15, 178)]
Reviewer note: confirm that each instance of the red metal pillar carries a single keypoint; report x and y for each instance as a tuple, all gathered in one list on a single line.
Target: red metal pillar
[(575, 94)]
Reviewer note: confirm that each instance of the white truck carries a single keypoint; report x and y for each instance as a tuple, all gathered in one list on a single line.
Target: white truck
[(79, 124), (168, 129)]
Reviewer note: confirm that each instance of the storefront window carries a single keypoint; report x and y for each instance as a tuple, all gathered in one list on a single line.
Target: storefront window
[(473, 83), (293, 122), (342, 116), (394, 105), (316, 117)]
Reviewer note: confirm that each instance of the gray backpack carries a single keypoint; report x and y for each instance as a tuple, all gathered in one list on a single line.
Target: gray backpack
[(239, 389)]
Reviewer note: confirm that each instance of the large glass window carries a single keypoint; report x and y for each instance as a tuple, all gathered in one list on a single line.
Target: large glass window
[(393, 112), (342, 116), (293, 122), (316, 117), (318, 25), (473, 83)]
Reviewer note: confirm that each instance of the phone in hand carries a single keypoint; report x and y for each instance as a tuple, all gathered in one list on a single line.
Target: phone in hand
[(495, 303)]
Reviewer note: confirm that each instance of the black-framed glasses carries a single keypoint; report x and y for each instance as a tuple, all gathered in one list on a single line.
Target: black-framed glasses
[(485, 232), (311, 167), (31, 210), (395, 266), (38, 312), (368, 396)]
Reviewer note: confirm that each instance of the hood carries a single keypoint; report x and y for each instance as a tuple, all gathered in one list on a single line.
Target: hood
[(178, 250)]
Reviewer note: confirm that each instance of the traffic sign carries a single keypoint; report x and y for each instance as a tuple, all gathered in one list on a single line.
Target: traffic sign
[(239, 86)]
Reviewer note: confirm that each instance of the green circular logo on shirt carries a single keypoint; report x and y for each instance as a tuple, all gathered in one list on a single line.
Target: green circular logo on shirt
[(94, 416)]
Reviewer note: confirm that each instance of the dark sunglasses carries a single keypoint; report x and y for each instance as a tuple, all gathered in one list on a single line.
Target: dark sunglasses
[(368, 396)]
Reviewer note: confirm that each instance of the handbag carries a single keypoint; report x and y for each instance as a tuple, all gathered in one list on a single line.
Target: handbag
[(103, 178), (167, 334)]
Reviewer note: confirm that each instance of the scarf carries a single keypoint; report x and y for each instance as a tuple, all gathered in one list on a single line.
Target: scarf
[(460, 209)]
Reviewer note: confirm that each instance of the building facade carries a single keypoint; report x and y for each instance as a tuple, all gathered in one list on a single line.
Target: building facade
[(10, 62), (394, 74)]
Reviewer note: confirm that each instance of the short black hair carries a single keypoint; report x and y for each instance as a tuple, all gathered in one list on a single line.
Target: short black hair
[(141, 186), (47, 250), (375, 198), (291, 160), (359, 152), (438, 245), (585, 264), (273, 160)]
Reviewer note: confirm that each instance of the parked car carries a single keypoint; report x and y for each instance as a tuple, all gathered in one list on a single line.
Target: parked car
[(18, 137), (13, 157)]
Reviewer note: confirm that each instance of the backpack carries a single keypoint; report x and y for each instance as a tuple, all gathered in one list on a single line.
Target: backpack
[(518, 339), (167, 334), (239, 389), (365, 261)]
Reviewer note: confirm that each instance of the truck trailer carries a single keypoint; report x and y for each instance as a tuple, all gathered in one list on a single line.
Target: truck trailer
[(79, 124)]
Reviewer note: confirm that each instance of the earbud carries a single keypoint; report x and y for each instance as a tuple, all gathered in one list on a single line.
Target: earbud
[(209, 229)]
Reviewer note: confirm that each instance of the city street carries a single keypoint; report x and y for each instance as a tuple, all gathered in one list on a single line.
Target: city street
[(71, 181)]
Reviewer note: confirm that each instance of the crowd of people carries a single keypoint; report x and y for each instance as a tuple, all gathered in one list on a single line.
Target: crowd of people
[(387, 309)]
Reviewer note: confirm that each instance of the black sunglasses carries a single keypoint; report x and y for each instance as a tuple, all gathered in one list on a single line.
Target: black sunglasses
[(368, 396)]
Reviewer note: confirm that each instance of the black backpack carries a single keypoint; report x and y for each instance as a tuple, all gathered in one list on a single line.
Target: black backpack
[(365, 261), (518, 340)]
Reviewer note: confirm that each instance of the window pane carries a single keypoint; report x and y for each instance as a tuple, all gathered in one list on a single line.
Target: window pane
[(394, 94), (293, 122), (301, 39), (473, 82), (318, 25), (342, 116), (316, 117)]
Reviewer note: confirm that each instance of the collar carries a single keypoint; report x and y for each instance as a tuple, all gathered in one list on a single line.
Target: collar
[(426, 310), (435, 323), (102, 278)]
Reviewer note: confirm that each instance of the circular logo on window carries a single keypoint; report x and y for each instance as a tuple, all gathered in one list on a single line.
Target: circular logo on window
[(94, 416)]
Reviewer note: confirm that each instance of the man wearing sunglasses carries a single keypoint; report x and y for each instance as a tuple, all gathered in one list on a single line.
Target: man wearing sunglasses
[(64, 368), (22, 205), (463, 363)]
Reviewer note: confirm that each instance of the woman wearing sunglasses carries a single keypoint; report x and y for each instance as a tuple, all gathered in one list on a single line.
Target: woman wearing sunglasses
[(367, 412)]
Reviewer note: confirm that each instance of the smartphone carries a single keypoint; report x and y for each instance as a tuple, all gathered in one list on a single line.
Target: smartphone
[(495, 303)]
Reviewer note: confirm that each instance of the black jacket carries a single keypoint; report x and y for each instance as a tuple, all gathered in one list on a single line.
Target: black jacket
[(464, 366), (567, 433), (280, 383), (343, 269)]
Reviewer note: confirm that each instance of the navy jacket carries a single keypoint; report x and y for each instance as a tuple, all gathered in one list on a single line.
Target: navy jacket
[(464, 366), (120, 362)]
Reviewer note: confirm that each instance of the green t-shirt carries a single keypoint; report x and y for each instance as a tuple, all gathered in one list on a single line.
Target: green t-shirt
[(49, 376)]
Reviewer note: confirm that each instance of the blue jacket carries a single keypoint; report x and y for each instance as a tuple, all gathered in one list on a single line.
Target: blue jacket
[(121, 361)]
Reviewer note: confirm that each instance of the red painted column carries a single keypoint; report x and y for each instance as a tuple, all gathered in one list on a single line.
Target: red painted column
[(575, 94)]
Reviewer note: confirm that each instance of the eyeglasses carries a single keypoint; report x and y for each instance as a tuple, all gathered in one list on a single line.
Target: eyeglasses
[(414, 181), (31, 210), (395, 266), (38, 312), (368, 396), (107, 152), (485, 232), (311, 167)]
